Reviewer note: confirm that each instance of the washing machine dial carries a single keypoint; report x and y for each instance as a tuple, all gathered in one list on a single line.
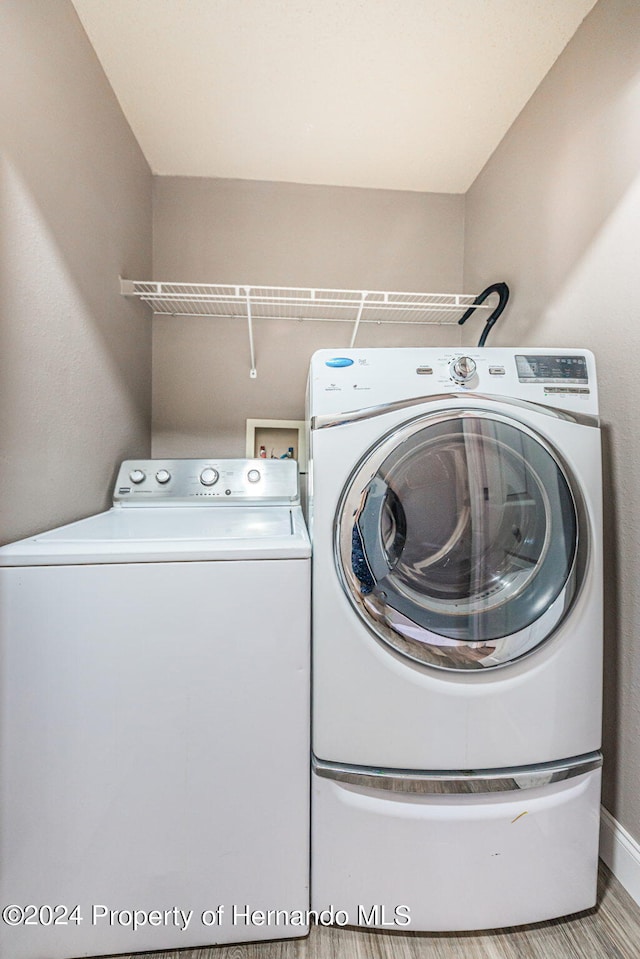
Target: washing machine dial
[(137, 476), (209, 476), (253, 476), (163, 476), (463, 369)]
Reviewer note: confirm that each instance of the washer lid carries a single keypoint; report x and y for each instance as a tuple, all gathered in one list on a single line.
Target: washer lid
[(167, 535)]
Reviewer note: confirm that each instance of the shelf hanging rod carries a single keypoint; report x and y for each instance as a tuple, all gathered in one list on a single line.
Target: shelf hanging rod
[(358, 318), (253, 371)]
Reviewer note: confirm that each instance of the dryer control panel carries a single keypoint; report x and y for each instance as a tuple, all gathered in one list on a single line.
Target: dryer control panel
[(207, 482), (358, 379), (556, 368)]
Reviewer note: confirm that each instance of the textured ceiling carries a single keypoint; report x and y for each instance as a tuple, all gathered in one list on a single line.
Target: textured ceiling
[(395, 94)]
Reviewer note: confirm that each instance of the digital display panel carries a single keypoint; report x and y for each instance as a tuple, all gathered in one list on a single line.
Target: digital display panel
[(551, 369)]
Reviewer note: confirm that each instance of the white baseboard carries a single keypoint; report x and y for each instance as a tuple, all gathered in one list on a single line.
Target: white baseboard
[(621, 853)]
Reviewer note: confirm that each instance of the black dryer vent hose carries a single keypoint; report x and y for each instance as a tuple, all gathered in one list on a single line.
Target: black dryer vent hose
[(503, 293)]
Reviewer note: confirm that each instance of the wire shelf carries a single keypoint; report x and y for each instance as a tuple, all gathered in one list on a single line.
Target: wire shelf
[(299, 303)]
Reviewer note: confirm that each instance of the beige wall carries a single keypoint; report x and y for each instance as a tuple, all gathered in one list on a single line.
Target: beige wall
[(75, 211), (556, 213), (281, 234)]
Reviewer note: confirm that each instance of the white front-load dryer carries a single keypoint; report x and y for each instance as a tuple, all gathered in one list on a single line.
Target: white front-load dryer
[(455, 507)]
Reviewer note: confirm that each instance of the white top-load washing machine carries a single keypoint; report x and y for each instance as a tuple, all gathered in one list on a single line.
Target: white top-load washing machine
[(455, 510), (154, 717)]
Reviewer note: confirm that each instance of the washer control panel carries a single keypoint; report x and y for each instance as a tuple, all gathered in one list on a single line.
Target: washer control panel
[(195, 482)]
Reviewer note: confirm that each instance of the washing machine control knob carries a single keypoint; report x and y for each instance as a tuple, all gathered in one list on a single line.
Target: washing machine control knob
[(209, 476), (163, 476), (253, 476), (137, 476), (463, 369)]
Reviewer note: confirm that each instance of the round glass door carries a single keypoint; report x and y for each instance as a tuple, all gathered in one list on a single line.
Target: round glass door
[(457, 539)]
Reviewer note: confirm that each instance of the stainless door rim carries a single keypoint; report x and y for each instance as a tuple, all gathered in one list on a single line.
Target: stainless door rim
[(432, 650), (330, 420), (458, 782)]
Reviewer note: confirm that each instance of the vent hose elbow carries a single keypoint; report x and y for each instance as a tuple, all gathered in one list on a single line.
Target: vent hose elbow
[(503, 298)]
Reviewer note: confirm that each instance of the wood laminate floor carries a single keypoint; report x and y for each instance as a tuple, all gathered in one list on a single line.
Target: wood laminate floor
[(610, 931)]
